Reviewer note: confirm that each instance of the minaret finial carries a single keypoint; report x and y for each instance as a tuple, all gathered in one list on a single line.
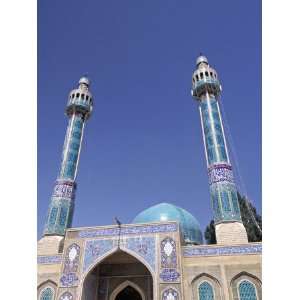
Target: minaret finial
[(201, 59)]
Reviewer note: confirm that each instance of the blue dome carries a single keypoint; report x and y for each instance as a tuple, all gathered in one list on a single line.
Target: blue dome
[(189, 226)]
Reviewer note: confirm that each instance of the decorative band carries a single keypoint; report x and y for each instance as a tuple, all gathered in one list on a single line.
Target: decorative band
[(64, 189), (218, 173)]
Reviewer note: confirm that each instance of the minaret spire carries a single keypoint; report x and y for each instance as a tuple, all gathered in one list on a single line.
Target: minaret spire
[(206, 90), (78, 110)]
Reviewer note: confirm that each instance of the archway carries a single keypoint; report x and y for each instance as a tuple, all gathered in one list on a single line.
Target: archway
[(120, 276), (129, 293)]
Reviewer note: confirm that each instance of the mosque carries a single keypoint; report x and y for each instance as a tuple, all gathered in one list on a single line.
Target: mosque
[(160, 255)]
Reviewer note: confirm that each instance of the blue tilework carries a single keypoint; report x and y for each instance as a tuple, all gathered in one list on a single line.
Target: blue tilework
[(69, 279), (157, 228), (214, 138), (219, 173), (144, 247), (206, 291), (54, 259), (71, 147), (60, 213), (80, 104), (94, 250), (222, 187), (169, 275), (58, 220), (224, 202), (225, 250), (247, 291), (47, 294)]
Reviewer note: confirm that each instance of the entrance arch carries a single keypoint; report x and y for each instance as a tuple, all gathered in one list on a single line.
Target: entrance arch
[(127, 290), (116, 276)]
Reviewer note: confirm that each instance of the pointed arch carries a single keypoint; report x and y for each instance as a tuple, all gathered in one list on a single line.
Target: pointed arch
[(254, 282), (113, 251), (246, 274), (48, 281), (93, 267), (206, 291), (47, 293), (170, 290), (42, 290), (215, 292), (124, 285), (247, 290)]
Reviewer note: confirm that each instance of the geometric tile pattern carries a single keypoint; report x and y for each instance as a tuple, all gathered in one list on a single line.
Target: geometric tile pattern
[(222, 250), (247, 291), (206, 291), (47, 294)]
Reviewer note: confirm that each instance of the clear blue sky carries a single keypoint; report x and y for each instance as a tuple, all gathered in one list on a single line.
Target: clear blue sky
[(143, 144)]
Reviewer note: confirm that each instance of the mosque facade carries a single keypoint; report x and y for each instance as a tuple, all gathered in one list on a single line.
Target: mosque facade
[(161, 254)]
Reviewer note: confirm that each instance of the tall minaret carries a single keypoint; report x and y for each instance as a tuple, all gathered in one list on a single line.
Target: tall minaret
[(206, 90), (78, 110)]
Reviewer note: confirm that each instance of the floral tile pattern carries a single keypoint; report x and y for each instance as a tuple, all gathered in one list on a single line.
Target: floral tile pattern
[(95, 249), (71, 260), (144, 247)]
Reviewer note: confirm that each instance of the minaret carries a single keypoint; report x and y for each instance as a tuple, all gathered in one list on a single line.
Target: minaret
[(206, 90), (60, 213)]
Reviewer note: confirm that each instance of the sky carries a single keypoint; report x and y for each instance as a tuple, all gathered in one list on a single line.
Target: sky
[(143, 144)]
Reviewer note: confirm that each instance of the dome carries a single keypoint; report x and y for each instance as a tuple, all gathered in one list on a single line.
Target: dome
[(84, 80), (201, 59), (189, 226)]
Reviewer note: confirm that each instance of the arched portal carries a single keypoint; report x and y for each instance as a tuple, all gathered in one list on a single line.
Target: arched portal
[(129, 293), (120, 276)]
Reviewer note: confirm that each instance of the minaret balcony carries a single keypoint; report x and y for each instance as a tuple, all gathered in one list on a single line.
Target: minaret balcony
[(210, 85), (80, 106)]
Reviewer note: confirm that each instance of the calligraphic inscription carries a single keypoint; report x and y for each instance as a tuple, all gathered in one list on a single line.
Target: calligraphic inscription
[(128, 230), (64, 189), (219, 173), (216, 251), (169, 275)]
